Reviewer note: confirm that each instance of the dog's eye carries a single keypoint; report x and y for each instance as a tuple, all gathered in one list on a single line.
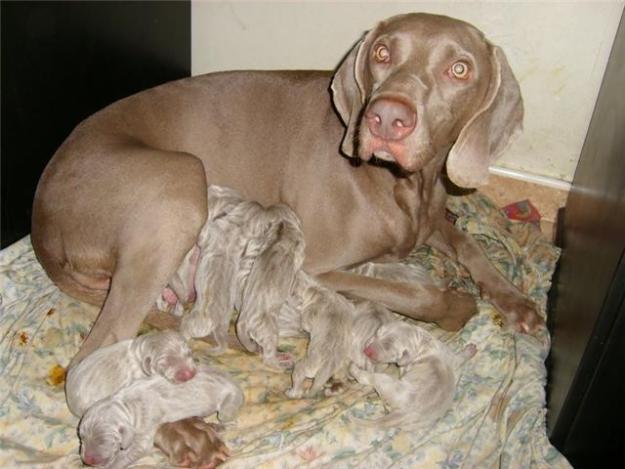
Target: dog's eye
[(459, 70), (381, 54)]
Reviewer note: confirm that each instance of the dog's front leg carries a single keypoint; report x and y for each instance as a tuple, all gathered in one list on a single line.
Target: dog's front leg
[(518, 310), (450, 309)]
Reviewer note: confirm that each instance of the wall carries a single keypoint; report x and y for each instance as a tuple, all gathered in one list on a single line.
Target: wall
[(557, 49)]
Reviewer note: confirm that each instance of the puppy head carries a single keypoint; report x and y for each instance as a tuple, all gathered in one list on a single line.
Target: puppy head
[(167, 353), (104, 431), (394, 342)]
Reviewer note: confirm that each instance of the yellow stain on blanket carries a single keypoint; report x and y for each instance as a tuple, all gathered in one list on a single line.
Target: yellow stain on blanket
[(401, 442), (56, 375)]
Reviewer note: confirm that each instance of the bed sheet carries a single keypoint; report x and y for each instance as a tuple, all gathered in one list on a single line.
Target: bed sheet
[(497, 419)]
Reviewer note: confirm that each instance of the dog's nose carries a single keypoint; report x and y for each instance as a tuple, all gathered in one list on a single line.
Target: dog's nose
[(389, 119), (369, 352), (91, 459), (185, 374)]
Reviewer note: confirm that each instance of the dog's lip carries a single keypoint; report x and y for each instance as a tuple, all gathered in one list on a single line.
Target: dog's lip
[(395, 152)]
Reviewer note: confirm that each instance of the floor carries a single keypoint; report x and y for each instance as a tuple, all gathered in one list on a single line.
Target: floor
[(504, 191)]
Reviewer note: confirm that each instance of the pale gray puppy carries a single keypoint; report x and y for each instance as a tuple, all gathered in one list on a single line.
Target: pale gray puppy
[(216, 276), (233, 243), (428, 373), (269, 285), (108, 369), (338, 331), (118, 430), (182, 287)]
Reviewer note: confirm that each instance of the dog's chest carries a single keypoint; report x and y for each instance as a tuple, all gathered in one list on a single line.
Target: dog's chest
[(413, 216)]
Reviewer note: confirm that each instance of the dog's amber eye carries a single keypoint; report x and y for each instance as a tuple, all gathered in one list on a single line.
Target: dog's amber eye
[(381, 54), (459, 70)]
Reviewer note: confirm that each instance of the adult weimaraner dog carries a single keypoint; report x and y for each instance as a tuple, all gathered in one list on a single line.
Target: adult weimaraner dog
[(124, 197)]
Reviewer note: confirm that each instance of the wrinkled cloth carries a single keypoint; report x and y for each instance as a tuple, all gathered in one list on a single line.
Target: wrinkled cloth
[(497, 419)]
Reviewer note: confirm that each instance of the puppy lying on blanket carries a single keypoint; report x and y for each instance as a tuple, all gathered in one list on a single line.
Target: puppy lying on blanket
[(118, 430), (428, 373), (338, 332), (110, 368)]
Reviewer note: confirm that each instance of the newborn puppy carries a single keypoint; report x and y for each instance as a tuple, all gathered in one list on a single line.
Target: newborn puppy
[(181, 289), (108, 369), (268, 286), (234, 242), (118, 430), (428, 373), (338, 332)]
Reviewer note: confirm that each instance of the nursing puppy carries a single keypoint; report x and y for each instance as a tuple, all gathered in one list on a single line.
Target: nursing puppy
[(108, 369), (268, 286), (217, 277), (181, 290), (118, 430), (428, 373), (338, 332), (235, 242)]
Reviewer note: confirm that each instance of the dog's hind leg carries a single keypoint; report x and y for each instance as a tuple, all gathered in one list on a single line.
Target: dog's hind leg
[(161, 225)]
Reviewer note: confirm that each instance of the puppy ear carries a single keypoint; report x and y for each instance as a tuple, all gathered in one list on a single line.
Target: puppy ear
[(127, 434), (349, 89), (147, 365), (489, 131), (404, 358)]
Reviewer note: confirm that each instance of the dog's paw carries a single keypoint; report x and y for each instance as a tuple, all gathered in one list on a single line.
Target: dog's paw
[(519, 312), (191, 443)]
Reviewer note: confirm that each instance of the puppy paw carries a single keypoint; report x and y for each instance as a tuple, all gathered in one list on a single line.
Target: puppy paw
[(281, 361), (469, 351), (294, 393), (191, 443)]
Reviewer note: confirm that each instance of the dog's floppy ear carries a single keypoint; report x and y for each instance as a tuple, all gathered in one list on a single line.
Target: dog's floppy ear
[(488, 132), (349, 89)]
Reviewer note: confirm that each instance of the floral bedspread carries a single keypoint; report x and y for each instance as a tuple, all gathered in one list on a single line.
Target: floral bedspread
[(497, 420)]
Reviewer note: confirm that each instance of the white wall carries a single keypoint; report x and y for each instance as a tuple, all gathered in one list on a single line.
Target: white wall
[(558, 51)]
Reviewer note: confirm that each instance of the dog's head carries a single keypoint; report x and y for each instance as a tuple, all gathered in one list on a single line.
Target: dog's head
[(104, 431), (395, 342), (417, 84), (166, 353)]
